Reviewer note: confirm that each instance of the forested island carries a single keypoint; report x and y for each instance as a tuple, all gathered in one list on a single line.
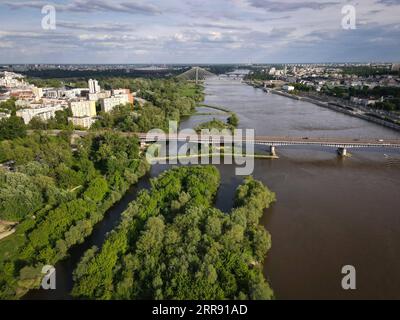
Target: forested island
[(173, 244)]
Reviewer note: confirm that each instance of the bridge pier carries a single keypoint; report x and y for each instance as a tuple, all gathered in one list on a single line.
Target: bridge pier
[(342, 152), (272, 151)]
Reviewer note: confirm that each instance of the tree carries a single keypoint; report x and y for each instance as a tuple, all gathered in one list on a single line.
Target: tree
[(97, 189), (172, 244), (11, 128), (233, 120)]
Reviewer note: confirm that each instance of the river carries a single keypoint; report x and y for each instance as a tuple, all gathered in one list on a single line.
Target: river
[(330, 211)]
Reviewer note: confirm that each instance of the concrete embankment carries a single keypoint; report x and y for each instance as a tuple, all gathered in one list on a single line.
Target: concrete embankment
[(338, 108)]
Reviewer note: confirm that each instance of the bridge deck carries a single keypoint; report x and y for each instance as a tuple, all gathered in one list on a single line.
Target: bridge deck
[(260, 140), (280, 141)]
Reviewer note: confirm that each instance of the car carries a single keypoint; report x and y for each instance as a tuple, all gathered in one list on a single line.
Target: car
[(381, 140)]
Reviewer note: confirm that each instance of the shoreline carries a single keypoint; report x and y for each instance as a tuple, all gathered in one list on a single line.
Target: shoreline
[(332, 107)]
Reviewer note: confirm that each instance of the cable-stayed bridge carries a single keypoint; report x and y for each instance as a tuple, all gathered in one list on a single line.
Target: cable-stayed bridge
[(196, 74)]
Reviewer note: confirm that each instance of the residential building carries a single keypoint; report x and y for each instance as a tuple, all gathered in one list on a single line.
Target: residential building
[(44, 112), (99, 95), (94, 86), (83, 108), (396, 67), (22, 94), (109, 104), (117, 92), (38, 92), (51, 93)]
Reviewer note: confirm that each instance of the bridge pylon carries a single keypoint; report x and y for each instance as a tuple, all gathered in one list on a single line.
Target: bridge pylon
[(272, 151)]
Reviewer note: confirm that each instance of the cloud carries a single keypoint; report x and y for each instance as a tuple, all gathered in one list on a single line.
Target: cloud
[(117, 27), (132, 7), (280, 6), (102, 31), (389, 2), (209, 25)]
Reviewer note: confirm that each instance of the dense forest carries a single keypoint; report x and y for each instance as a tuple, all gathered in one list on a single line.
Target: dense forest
[(173, 244), (57, 194)]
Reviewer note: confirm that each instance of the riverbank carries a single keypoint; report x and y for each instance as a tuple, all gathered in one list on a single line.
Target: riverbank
[(7, 228), (332, 106)]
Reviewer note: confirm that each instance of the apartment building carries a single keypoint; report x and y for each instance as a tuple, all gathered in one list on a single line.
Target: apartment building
[(83, 108), (44, 112), (109, 104)]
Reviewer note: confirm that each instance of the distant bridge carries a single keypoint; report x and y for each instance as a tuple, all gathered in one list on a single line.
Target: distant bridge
[(196, 74), (341, 144)]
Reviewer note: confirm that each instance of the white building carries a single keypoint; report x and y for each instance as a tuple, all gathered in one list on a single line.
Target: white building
[(396, 67), (288, 88), (44, 112), (38, 92), (83, 122), (99, 95), (24, 103), (83, 108), (94, 86), (51, 93), (363, 102), (109, 104), (12, 80)]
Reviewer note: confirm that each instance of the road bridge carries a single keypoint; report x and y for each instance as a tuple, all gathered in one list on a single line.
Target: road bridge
[(341, 144)]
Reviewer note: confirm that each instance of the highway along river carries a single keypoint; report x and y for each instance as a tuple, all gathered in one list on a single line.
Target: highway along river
[(330, 211)]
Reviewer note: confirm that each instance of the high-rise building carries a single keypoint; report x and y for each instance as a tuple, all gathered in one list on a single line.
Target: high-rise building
[(94, 86), (83, 108)]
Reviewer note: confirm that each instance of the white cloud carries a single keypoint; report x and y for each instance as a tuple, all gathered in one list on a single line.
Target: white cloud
[(229, 30)]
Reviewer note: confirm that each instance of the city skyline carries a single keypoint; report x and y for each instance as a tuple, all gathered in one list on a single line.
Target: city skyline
[(237, 31)]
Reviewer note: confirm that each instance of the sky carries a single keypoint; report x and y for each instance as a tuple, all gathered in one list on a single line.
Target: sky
[(199, 31)]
